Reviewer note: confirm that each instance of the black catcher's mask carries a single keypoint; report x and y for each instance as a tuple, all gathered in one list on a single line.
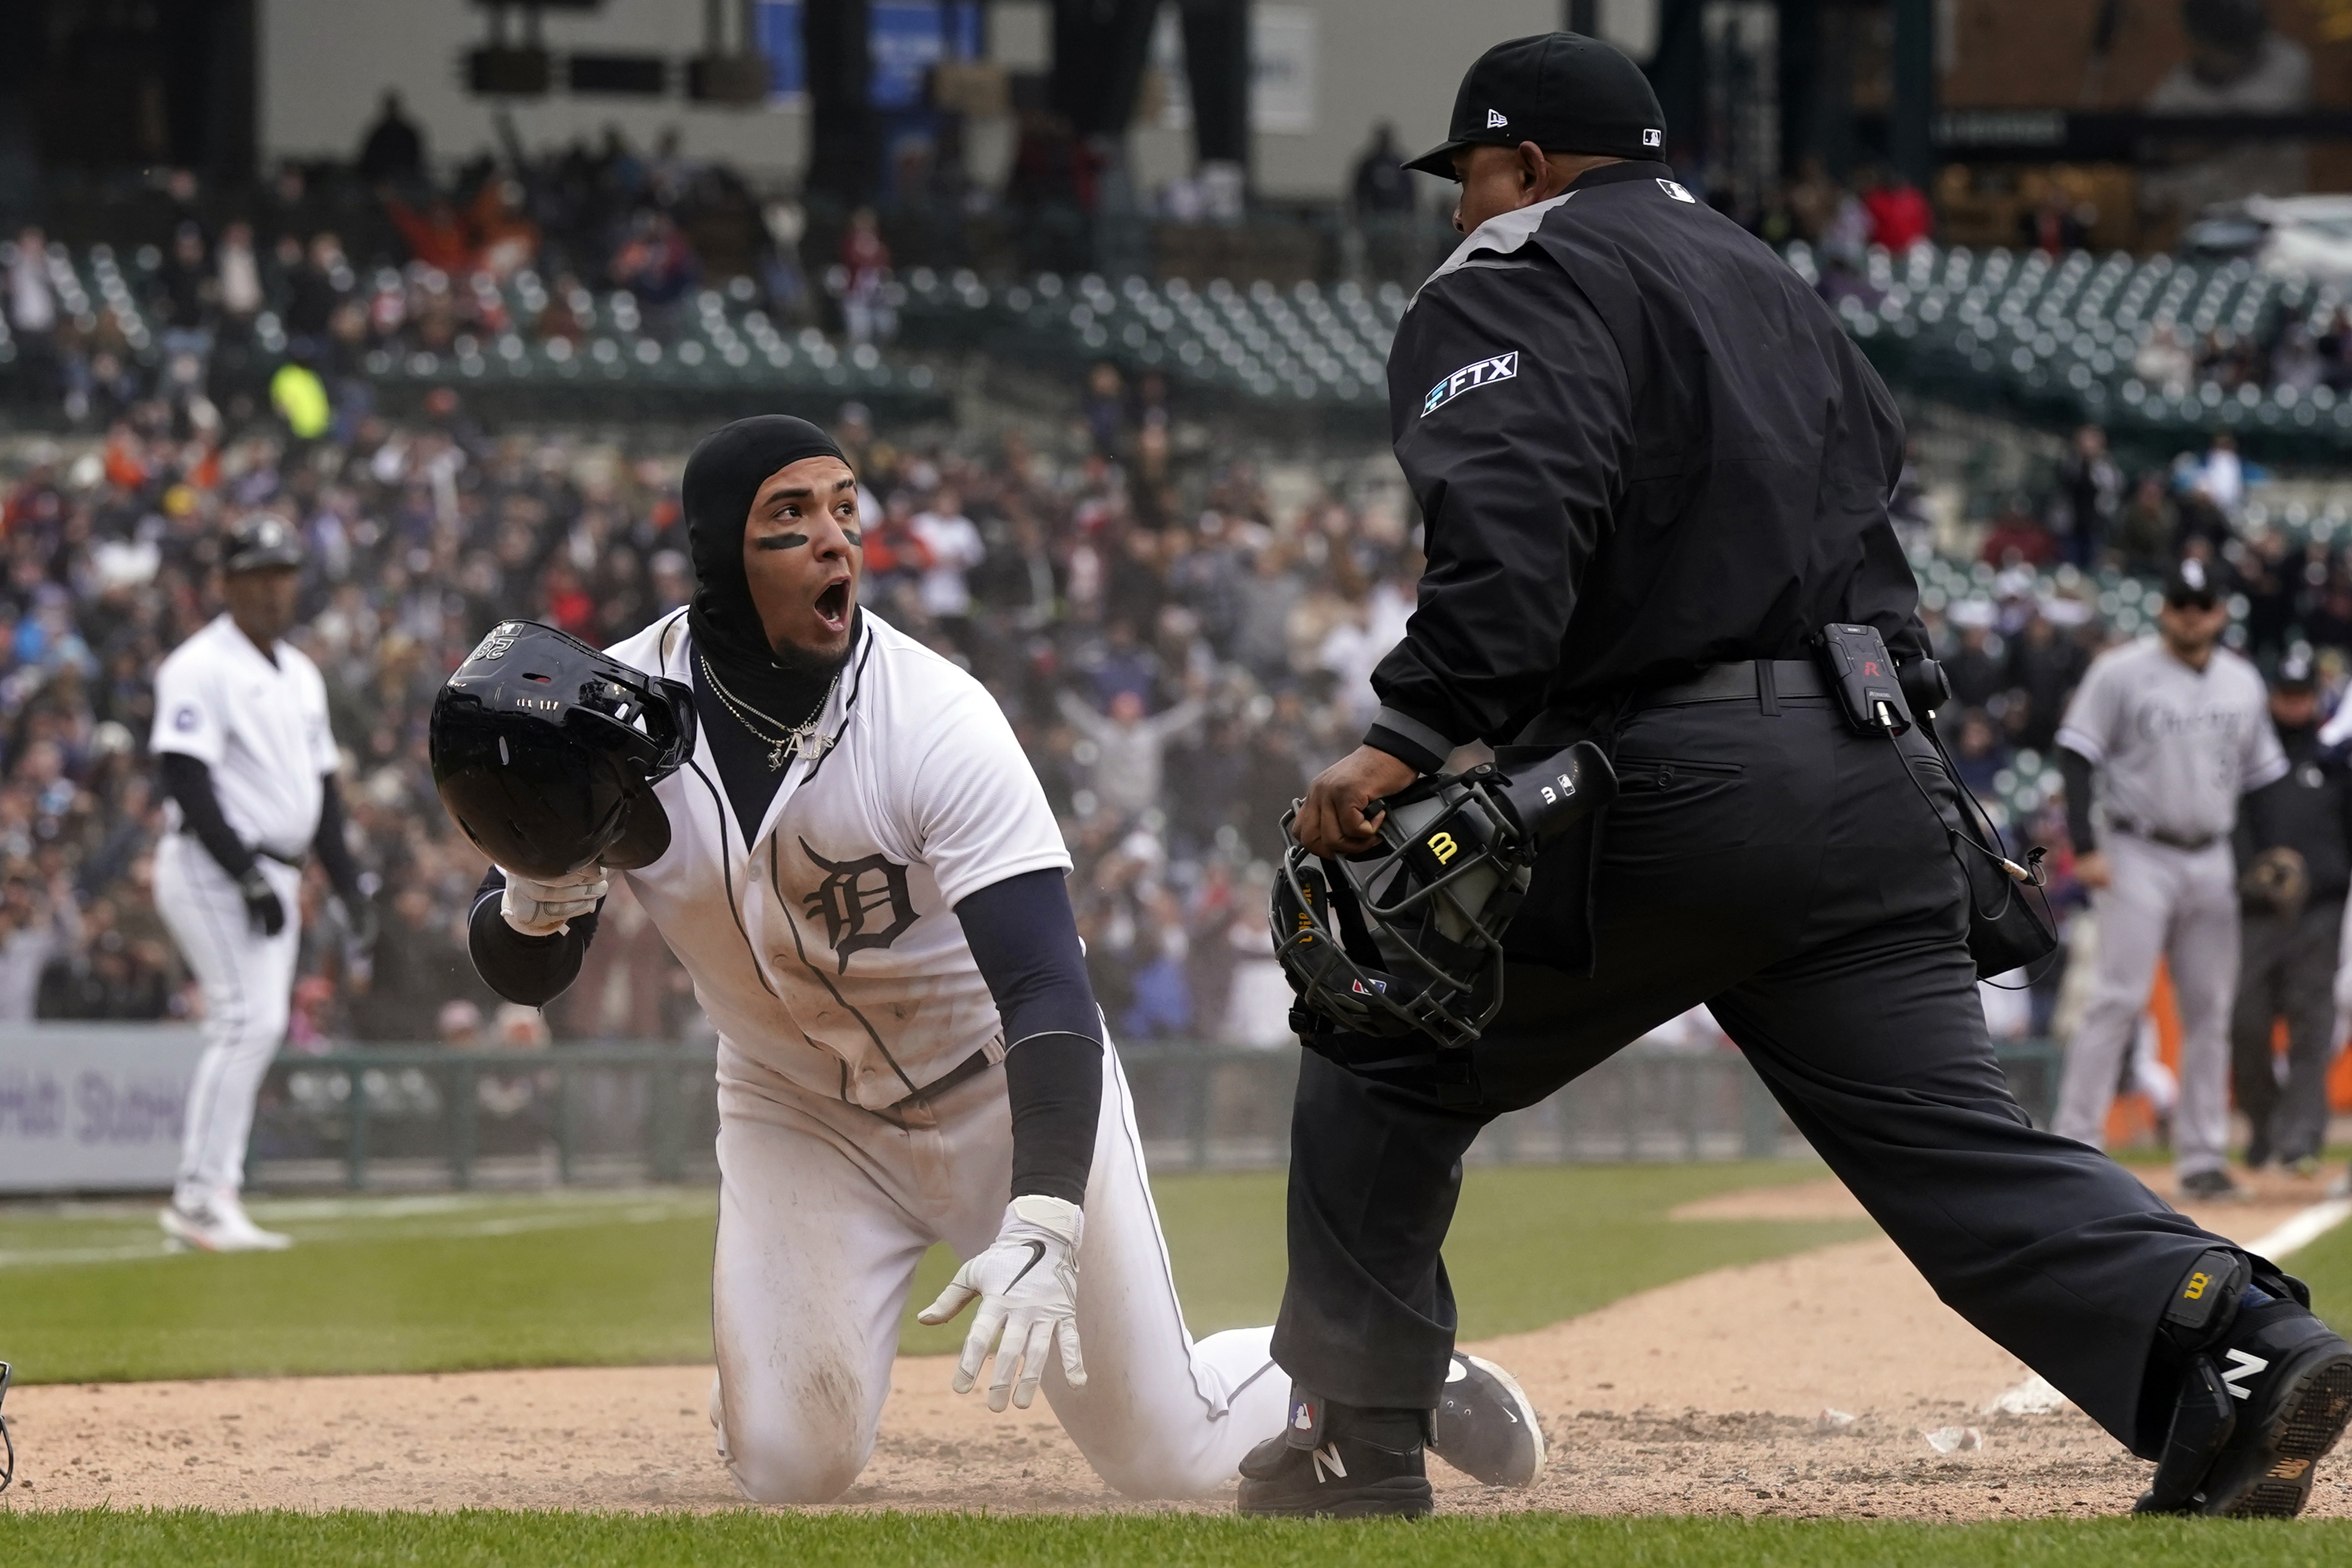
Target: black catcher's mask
[(1409, 936), (546, 752)]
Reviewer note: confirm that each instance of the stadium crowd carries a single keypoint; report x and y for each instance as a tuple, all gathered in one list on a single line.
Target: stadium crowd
[(1142, 628), (1178, 656)]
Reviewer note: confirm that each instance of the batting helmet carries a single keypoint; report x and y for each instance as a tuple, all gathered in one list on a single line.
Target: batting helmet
[(1409, 937), (546, 752)]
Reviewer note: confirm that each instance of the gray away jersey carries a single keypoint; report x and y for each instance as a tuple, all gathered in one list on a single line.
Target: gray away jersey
[(2174, 747)]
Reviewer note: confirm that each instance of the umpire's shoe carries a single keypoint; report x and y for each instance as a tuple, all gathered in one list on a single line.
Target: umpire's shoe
[(1335, 1462), (2267, 1392), (1484, 1426)]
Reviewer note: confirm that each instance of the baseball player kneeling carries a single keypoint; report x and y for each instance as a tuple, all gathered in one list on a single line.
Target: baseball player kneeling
[(844, 846), (249, 761)]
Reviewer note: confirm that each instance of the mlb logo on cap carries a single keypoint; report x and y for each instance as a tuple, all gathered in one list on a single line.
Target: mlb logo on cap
[(1654, 138)]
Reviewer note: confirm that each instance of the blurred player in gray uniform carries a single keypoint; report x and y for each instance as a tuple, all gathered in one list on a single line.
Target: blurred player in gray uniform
[(2176, 728), (242, 741)]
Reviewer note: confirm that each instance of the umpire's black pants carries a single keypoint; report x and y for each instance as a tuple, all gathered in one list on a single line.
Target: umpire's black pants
[(1780, 868), (2287, 971)]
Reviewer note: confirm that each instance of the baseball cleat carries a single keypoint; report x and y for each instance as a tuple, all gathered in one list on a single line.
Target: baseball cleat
[(2211, 1186), (1484, 1426), (1312, 1470), (219, 1226), (2276, 1394)]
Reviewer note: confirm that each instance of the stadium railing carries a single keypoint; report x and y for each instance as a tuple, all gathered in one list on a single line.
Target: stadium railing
[(426, 1118)]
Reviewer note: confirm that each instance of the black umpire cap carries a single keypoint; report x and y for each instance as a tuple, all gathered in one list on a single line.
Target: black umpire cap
[(260, 541), (2296, 671), (1563, 91)]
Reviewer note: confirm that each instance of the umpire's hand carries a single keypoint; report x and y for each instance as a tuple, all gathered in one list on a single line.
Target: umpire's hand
[(1332, 820)]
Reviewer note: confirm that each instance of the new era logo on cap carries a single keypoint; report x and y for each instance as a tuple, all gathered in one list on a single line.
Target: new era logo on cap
[(1495, 120), (1654, 138)]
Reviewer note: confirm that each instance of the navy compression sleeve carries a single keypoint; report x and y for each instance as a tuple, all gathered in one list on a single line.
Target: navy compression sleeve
[(333, 849), (1025, 942), (532, 970), (189, 784), (2076, 769)]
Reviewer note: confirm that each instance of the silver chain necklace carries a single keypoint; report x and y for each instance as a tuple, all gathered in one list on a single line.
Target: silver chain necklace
[(789, 740)]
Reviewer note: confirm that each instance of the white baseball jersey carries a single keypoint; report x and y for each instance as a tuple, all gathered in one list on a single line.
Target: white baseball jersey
[(827, 952), (827, 948), (2174, 747), (260, 729)]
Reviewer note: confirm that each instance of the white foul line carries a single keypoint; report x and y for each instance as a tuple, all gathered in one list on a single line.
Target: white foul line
[(2036, 1397), (2303, 1229)]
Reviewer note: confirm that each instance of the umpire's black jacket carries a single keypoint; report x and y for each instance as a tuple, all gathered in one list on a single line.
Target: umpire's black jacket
[(1640, 445)]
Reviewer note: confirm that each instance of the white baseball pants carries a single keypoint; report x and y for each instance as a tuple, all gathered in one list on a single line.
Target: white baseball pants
[(824, 1212), (2180, 905), (248, 981)]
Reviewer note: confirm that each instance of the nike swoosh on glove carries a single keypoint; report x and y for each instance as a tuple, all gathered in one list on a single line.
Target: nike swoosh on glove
[(539, 908), (1027, 1287)]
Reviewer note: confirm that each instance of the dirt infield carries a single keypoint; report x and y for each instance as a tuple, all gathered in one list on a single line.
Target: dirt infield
[(1804, 1387)]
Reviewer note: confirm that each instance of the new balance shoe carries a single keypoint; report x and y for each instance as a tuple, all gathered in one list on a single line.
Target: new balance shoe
[(1336, 1462), (2261, 1405), (1484, 1426)]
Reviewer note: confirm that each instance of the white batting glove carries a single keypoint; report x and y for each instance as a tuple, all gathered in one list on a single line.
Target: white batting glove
[(1027, 1287), (539, 908)]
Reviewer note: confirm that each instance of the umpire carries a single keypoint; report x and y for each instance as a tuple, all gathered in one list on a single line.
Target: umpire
[(2294, 839), (1651, 470)]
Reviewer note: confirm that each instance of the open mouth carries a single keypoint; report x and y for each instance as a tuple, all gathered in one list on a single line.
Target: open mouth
[(833, 605)]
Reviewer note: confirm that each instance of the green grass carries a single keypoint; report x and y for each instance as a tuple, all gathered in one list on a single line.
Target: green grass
[(490, 1540), (457, 1282), (2327, 1267)]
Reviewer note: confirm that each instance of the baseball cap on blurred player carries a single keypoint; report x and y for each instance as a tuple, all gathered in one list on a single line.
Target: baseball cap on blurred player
[(2190, 585), (2295, 673), (1563, 91), (260, 541)]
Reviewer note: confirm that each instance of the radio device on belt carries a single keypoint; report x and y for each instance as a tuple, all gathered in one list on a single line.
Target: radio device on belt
[(2006, 932)]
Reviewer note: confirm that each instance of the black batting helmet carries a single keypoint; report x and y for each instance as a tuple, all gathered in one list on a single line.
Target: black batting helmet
[(546, 752), (1409, 937)]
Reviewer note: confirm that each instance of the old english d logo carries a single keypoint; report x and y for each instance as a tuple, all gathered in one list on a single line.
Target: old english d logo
[(863, 903)]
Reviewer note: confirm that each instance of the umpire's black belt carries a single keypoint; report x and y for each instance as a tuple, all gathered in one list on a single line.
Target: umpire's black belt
[(2165, 836), (1763, 682)]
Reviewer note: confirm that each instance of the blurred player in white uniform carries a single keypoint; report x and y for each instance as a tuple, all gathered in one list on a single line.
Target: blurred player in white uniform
[(2176, 728), (866, 885), (242, 741)]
